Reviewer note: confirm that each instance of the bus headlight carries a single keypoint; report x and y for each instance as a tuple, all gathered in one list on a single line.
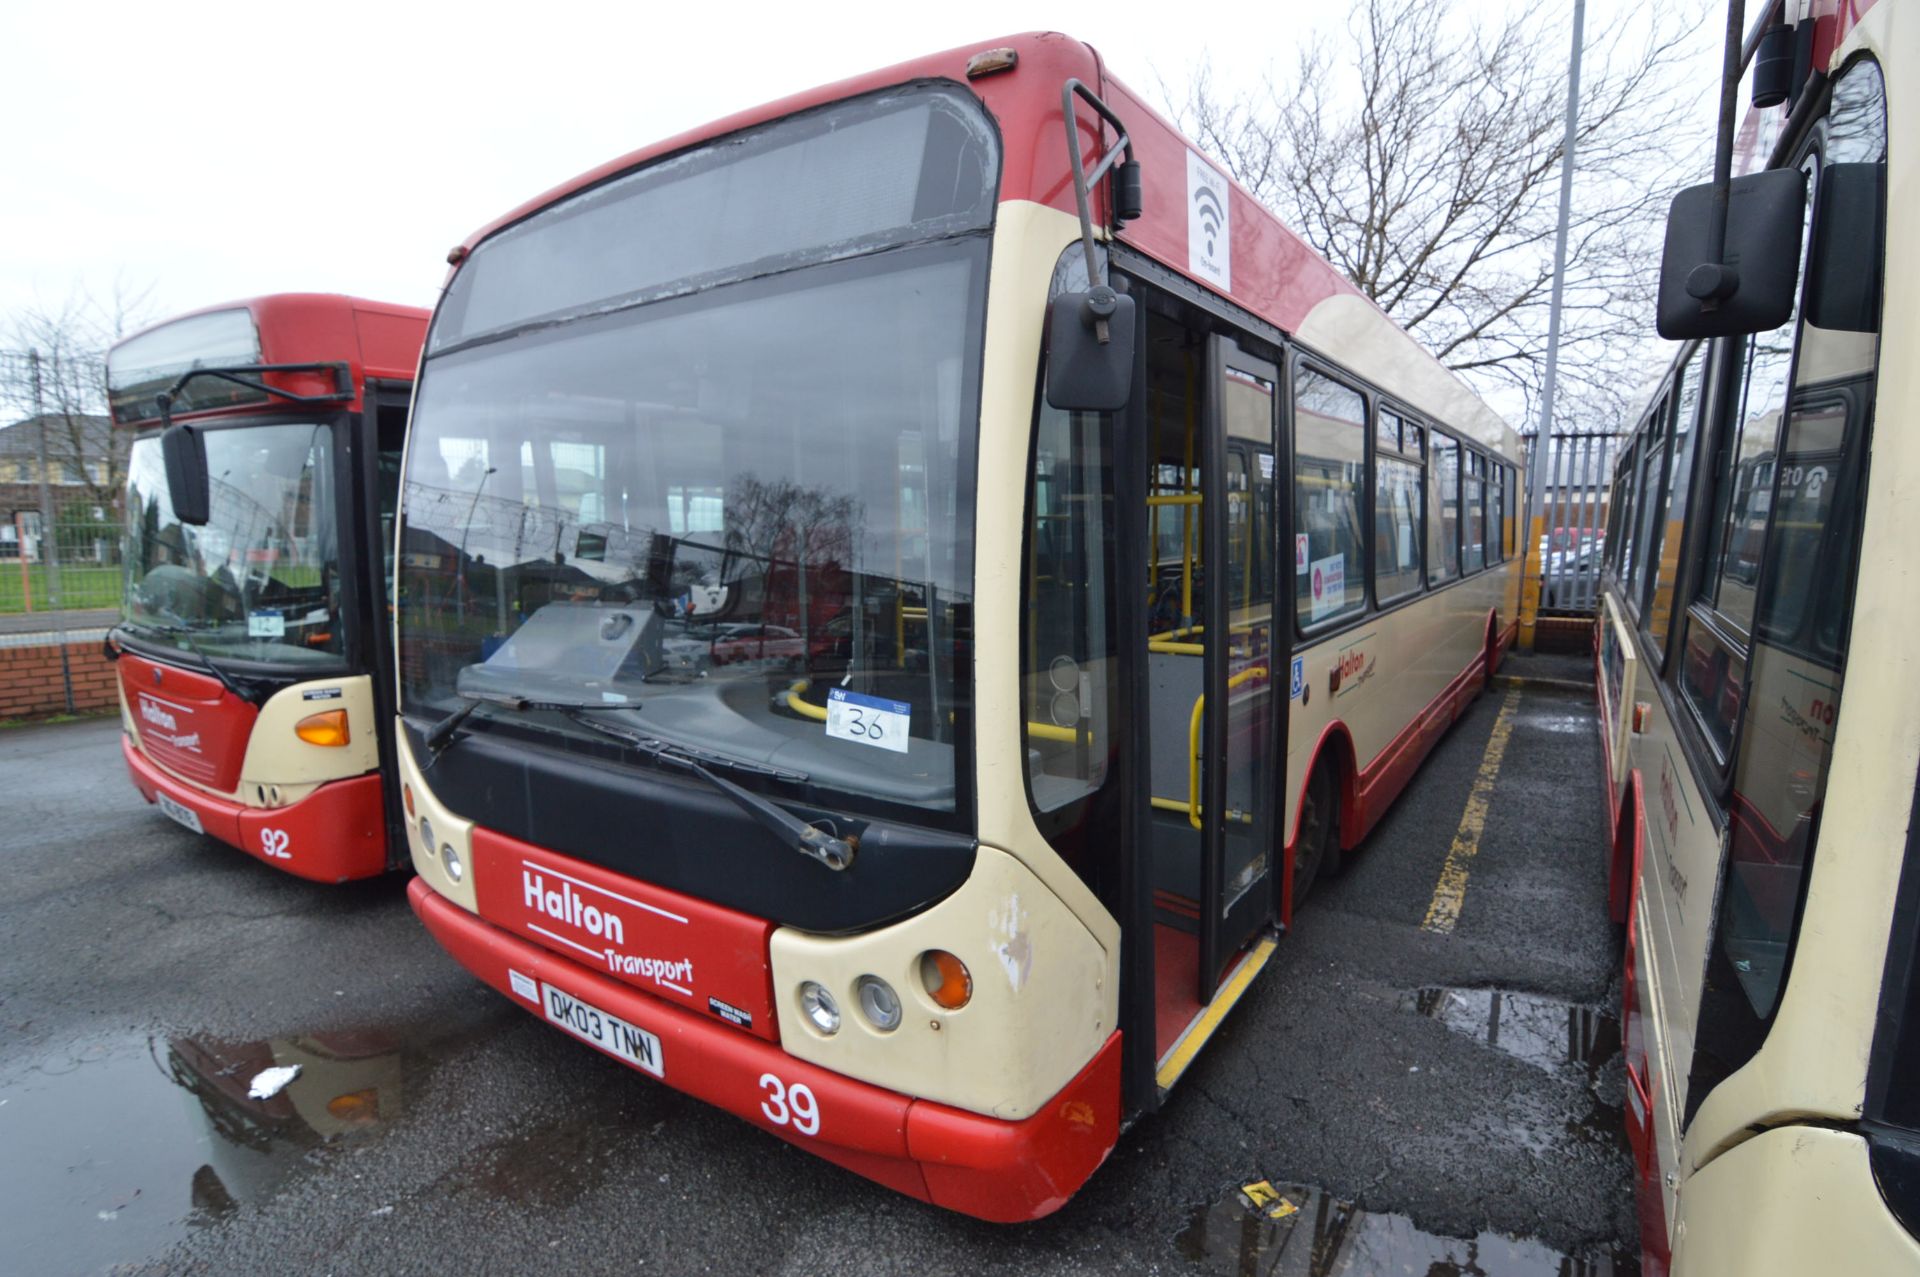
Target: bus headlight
[(451, 859), (819, 1008), (878, 1002), (426, 834)]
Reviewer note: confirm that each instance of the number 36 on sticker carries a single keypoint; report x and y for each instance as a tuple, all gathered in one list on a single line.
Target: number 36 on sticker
[(868, 720)]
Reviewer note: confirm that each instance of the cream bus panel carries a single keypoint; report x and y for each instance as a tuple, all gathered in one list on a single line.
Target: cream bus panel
[(448, 830), (279, 768), (1045, 996), (276, 756), (1028, 240), (1795, 1201), (1352, 330), (1377, 678)]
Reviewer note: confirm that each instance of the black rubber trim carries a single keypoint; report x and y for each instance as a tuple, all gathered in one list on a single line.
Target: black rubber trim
[(675, 832)]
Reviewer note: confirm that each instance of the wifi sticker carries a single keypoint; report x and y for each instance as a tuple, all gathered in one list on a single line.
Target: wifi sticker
[(1209, 230)]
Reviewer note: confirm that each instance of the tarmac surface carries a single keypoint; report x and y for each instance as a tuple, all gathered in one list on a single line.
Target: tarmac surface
[(1415, 1101), (72, 620)]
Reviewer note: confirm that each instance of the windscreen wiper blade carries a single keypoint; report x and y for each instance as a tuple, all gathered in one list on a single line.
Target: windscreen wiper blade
[(442, 733), (809, 840)]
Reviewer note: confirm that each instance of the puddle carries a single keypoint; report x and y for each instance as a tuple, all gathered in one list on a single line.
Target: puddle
[(1544, 1032), (116, 1151), (1300, 1231)]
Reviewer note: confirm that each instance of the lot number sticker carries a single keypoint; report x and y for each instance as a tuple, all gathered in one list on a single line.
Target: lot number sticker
[(868, 720)]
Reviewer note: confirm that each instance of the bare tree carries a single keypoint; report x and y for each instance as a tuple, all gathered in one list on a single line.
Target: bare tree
[(1421, 153), (53, 363)]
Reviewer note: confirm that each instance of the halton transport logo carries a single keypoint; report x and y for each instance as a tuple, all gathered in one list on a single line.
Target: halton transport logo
[(164, 727), (561, 903)]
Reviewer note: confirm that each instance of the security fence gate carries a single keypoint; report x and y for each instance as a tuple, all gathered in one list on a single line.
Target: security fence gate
[(1573, 512)]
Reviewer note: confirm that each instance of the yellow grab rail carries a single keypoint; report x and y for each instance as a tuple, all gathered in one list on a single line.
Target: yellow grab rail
[(1193, 740), (806, 709)]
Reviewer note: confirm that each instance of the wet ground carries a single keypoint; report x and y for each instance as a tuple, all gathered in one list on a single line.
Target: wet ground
[(1388, 1099)]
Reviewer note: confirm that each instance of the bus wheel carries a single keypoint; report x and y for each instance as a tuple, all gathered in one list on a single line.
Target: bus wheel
[(1318, 850)]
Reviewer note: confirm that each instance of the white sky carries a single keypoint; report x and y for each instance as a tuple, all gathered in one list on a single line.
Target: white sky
[(205, 152)]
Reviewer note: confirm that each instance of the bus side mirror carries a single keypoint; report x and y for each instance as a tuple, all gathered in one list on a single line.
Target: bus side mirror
[(1090, 350), (1843, 280), (1751, 289), (185, 453)]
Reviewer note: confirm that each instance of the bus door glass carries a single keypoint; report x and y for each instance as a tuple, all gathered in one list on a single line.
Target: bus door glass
[(1244, 652)]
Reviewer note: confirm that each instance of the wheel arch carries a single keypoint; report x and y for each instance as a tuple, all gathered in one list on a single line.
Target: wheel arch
[(1334, 745)]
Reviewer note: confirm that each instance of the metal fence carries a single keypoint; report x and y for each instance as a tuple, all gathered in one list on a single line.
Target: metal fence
[(1573, 514), (71, 564)]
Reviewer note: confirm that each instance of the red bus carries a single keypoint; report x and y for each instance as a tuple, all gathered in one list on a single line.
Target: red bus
[(850, 559), (255, 644)]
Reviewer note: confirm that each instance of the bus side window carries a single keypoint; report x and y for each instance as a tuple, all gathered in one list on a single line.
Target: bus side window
[(1396, 508), (1718, 626), (1443, 509), (1329, 469), (1473, 507), (1663, 546), (1067, 655), (1649, 504)]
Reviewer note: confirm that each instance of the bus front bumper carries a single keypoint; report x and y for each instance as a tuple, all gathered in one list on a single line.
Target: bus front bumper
[(336, 833), (1005, 1172)]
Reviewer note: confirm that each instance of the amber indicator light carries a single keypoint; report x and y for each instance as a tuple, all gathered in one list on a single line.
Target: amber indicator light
[(946, 978), (329, 728)]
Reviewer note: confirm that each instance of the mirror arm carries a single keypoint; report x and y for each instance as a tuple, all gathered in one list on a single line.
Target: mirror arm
[(342, 380), (1713, 281), (1100, 301)]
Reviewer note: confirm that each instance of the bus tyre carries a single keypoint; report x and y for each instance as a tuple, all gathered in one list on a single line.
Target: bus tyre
[(1317, 850)]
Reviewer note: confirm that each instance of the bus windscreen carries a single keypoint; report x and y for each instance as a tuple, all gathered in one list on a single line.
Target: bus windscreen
[(739, 518)]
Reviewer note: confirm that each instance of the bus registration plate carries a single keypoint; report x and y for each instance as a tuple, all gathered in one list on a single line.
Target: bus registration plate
[(609, 1032), (180, 812)]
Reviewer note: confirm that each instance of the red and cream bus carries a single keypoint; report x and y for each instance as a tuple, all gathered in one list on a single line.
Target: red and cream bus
[(255, 649), (1758, 699), (1013, 459)]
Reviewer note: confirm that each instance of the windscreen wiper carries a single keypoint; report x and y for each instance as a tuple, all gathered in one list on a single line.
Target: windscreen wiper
[(186, 633), (809, 840), (442, 733)]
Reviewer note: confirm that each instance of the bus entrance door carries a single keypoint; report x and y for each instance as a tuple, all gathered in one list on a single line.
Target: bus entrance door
[(1240, 728), (1213, 650)]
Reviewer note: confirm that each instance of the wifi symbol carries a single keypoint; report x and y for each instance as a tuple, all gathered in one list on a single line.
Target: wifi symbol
[(1212, 215)]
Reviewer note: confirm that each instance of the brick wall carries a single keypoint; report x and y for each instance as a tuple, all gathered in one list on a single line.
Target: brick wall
[(31, 686)]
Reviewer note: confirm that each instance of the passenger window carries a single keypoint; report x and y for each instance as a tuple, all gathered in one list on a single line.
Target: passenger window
[(1473, 499), (1649, 503), (1443, 509), (1250, 534), (1512, 509), (1663, 550), (1068, 651), (1329, 468), (1721, 623), (1397, 490)]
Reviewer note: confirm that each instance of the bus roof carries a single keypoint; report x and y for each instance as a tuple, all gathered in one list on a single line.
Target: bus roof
[(376, 340), (1280, 277)]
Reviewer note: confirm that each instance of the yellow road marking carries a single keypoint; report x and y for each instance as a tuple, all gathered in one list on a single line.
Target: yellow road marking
[(1451, 891), (1196, 1036)]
